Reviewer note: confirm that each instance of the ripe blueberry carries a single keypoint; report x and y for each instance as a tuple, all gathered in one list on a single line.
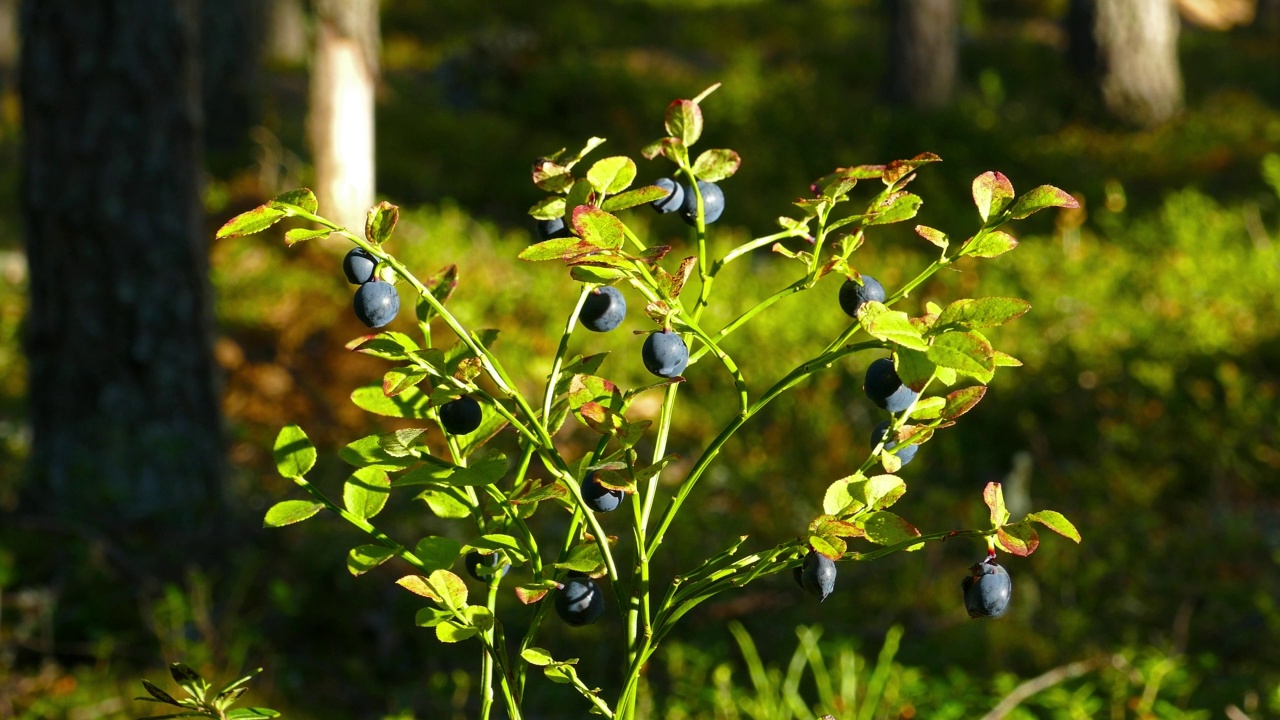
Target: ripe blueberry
[(665, 354), (854, 296), (712, 203), (460, 416), (818, 575), (598, 497), (987, 589), (358, 266), (553, 228), (377, 303), (476, 560), (906, 454), (604, 309), (579, 602), (674, 199), (883, 386)]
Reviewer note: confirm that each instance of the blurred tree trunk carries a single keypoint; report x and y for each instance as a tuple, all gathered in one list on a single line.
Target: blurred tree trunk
[(343, 75), (287, 32), (124, 403), (1135, 56), (8, 33), (924, 51), (231, 45)]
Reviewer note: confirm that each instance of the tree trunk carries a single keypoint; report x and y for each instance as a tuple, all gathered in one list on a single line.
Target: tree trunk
[(1137, 41), (231, 45), (923, 52), (343, 75), (124, 403), (287, 32)]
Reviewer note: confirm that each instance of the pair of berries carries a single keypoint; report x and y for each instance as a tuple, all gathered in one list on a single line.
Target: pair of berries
[(376, 302), (881, 384), (664, 353), (681, 197)]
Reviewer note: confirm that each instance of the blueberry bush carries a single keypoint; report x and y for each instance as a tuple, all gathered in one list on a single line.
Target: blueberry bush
[(459, 403)]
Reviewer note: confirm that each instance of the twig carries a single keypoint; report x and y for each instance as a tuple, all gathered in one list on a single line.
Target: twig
[(1043, 682)]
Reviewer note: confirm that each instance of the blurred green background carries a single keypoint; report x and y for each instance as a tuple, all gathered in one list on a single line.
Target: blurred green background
[(1146, 411)]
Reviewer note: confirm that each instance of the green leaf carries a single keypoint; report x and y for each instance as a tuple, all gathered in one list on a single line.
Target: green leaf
[(398, 380), (991, 244), (388, 345), (445, 505), (914, 368), (1056, 522), (993, 496), (368, 452), (566, 248), (537, 657), (1018, 539), (1006, 360), (548, 208), (612, 174), (962, 401), (631, 198), (365, 492), (597, 275), (499, 541), (584, 389), (188, 680), (248, 223), (485, 471), (684, 120), (551, 176), (928, 408), (288, 512), (832, 547), (899, 169), (837, 497), (449, 632), (480, 617), (583, 558), (253, 713), (886, 528), (937, 237), (296, 235), (403, 442), (410, 403), (532, 593), (893, 208), (992, 193), (301, 198), (598, 228), (381, 222), (878, 491), (830, 526), (891, 326), (716, 164), (455, 591), (1045, 196), (431, 617), (964, 352), (294, 453), (531, 493), (364, 558), (437, 553), (417, 585), (561, 673), (981, 313), (159, 694)]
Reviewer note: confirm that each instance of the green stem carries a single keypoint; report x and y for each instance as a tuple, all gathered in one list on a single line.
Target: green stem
[(560, 353), (795, 287), (486, 662)]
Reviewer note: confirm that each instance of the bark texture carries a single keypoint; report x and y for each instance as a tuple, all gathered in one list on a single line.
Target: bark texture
[(124, 403), (343, 77), (1137, 41), (924, 52)]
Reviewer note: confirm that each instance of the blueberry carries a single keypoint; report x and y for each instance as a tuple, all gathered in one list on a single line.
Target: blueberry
[(674, 199), (854, 296), (665, 354), (377, 303), (599, 497), (604, 309), (712, 203), (476, 560), (906, 454), (883, 386), (553, 228), (579, 602), (818, 575), (460, 416), (987, 589), (358, 266)]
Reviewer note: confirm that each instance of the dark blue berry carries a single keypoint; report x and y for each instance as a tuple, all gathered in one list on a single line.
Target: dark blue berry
[(674, 199), (987, 589), (854, 296), (358, 266), (603, 310), (461, 416), (906, 454), (818, 575), (598, 497), (553, 228), (579, 602), (376, 303), (665, 354), (712, 203), (883, 386), (476, 560)]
